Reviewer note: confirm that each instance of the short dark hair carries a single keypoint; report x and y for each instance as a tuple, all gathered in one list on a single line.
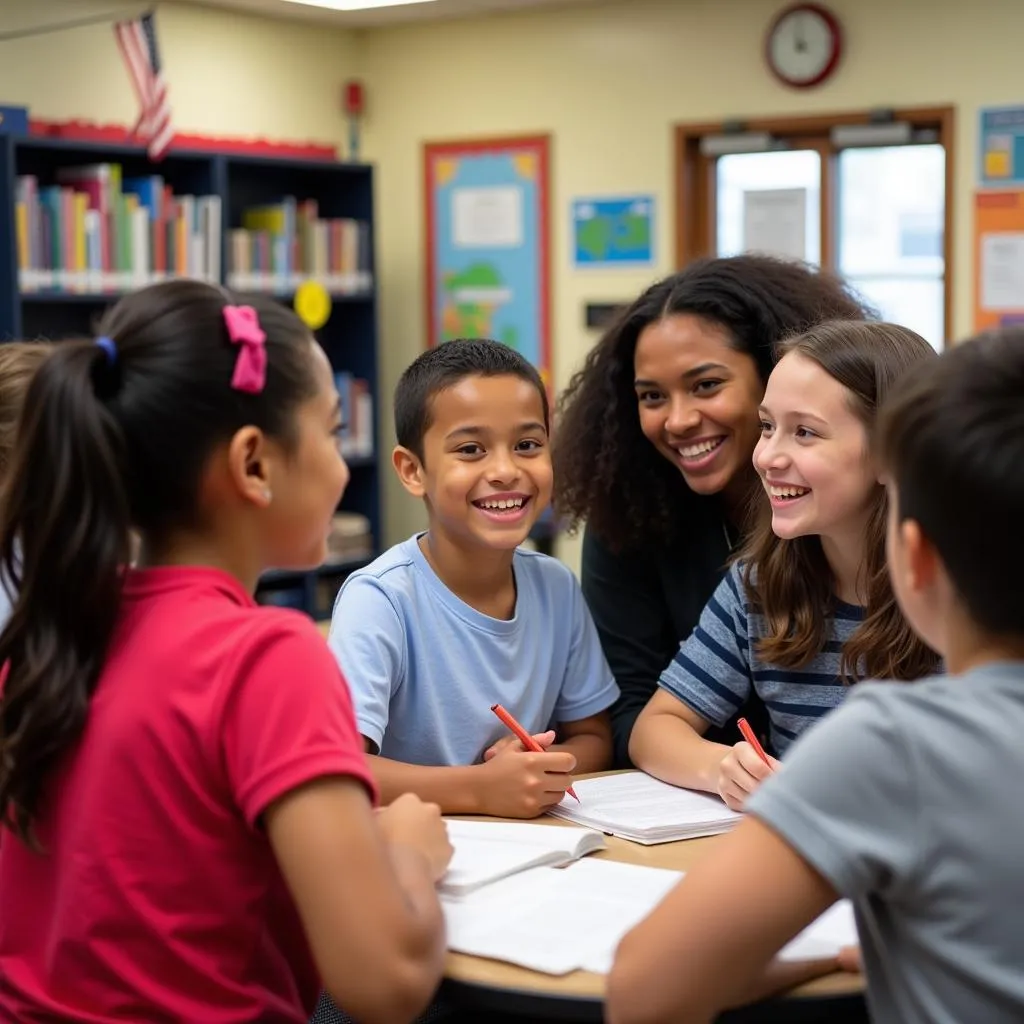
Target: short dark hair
[(443, 367), (606, 471), (114, 437), (952, 440)]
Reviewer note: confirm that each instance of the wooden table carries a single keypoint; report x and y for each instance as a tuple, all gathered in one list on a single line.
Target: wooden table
[(477, 983)]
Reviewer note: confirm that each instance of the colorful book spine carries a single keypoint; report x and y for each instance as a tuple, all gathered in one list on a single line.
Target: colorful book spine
[(356, 415), (92, 231), (280, 245)]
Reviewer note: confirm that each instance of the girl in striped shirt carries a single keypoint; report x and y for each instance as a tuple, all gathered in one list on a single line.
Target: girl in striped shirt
[(806, 608)]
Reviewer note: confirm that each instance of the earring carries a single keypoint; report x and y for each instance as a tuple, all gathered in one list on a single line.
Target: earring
[(267, 496)]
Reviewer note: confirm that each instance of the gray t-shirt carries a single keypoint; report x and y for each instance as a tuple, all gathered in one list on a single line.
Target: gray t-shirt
[(909, 799)]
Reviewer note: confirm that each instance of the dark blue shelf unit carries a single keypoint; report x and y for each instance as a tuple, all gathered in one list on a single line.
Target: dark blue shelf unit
[(349, 337)]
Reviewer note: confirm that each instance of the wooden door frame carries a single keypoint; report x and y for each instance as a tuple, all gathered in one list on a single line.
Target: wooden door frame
[(695, 182)]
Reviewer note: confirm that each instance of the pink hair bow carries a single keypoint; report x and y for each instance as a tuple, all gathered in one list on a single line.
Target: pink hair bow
[(251, 366)]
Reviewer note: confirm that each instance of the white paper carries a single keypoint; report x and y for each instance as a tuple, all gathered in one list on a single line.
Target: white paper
[(556, 920), (824, 937), (1002, 271), (485, 851), (775, 222), (636, 806), (489, 217), (560, 920)]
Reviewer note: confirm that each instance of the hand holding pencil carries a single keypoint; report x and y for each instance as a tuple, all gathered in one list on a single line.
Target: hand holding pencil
[(521, 779), (744, 768)]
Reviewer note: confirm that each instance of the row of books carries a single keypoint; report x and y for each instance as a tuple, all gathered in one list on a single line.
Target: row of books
[(280, 245), (356, 415), (96, 231)]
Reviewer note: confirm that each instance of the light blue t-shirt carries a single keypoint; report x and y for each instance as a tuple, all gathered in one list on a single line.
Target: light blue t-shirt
[(424, 667)]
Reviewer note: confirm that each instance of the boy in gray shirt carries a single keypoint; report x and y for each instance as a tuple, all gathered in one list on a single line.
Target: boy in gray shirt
[(908, 799)]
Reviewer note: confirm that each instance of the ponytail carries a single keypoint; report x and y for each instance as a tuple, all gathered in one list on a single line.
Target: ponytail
[(64, 544), (114, 436)]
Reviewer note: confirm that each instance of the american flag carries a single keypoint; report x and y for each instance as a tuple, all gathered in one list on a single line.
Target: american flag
[(137, 42)]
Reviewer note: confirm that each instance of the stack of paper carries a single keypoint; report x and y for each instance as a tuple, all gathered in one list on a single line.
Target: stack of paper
[(637, 807), (486, 851), (557, 921)]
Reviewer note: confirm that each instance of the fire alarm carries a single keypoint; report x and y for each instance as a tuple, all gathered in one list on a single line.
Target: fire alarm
[(354, 98)]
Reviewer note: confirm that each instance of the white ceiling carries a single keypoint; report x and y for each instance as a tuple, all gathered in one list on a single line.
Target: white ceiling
[(385, 15)]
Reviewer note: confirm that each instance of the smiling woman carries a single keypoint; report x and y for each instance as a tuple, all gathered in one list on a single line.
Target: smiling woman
[(654, 445)]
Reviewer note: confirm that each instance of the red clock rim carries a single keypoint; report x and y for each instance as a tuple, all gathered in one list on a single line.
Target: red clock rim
[(837, 50)]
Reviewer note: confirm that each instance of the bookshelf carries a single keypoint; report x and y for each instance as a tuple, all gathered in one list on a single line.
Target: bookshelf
[(71, 241)]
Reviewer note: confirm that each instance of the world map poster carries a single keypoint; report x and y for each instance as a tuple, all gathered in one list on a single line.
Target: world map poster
[(487, 244)]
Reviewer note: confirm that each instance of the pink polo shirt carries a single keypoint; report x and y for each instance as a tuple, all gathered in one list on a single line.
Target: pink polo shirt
[(158, 897)]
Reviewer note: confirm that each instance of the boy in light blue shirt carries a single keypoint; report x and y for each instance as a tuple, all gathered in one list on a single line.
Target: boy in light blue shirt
[(459, 618)]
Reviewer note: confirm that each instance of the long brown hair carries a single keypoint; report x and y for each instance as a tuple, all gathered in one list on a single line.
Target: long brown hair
[(790, 582)]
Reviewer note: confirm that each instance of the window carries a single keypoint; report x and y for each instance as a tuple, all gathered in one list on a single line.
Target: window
[(866, 197)]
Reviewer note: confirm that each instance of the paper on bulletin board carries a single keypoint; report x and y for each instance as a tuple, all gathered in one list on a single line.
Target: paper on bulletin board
[(487, 217), (1001, 157), (488, 243), (775, 222), (613, 232), (998, 258)]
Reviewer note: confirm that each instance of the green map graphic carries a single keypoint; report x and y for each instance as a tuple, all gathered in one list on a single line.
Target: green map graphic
[(471, 297), (602, 233)]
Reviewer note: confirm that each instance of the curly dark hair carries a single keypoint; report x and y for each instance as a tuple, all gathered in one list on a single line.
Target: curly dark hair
[(606, 471)]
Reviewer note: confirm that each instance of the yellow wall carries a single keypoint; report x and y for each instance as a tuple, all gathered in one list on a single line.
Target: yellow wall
[(227, 74), (608, 82)]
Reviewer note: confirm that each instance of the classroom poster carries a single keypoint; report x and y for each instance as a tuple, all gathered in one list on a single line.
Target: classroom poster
[(1002, 147), (613, 232), (487, 260), (998, 258)]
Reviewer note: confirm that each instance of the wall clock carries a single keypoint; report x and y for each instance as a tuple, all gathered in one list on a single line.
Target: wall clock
[(803, 45)]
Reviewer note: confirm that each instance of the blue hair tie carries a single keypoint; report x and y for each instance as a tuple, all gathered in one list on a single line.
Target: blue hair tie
[(108, 346)]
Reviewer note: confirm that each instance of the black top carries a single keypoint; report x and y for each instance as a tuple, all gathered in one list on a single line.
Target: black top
[(645, 604)]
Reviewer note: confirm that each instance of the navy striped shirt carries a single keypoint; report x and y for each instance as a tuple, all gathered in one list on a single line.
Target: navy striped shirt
[(715, 668)]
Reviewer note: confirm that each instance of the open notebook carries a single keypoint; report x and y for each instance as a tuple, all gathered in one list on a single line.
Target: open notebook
[(486, 851), (558, 921), (637, 807)]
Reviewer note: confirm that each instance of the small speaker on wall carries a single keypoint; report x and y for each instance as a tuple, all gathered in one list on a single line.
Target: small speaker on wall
[(597, 315)]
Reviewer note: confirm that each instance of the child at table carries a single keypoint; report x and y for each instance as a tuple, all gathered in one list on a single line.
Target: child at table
[(906, 799), (460, 617), (807, 607), (192, 834)]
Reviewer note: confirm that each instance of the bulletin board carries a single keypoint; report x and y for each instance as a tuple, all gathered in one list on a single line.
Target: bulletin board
[(998, 258), (488, 244)]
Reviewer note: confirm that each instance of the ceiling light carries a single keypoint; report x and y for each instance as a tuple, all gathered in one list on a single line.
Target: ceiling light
[(357, 5)]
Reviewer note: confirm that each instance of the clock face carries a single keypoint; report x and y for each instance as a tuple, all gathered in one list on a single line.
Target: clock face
[(803, 45)]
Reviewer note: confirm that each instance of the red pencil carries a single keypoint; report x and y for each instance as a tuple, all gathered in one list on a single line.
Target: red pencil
[(524, 737), (748, 735)]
